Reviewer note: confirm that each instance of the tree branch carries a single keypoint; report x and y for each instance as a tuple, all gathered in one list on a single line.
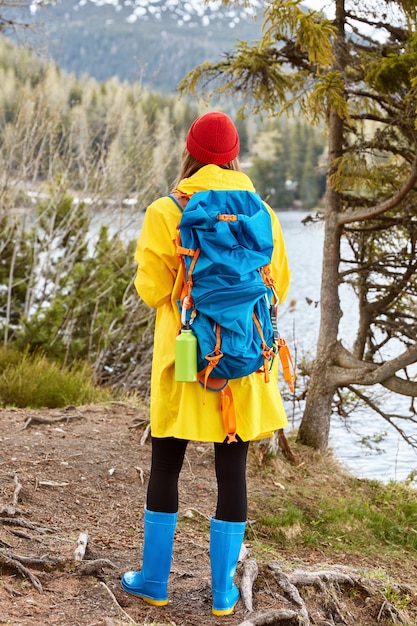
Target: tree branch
[(365, 214), (348, 370), (401, 386), (410, 439), (396, 31)]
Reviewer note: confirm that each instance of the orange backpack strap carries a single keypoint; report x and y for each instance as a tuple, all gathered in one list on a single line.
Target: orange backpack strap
[(267, 352), (227, 407), (283, 349), (269, 281), (180, 198), (186, 300), (287, 363)]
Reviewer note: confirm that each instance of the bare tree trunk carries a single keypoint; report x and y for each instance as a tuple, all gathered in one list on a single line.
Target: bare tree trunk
[(315, 425)]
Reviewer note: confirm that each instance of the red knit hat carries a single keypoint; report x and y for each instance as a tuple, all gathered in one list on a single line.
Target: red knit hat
[(213, 138)]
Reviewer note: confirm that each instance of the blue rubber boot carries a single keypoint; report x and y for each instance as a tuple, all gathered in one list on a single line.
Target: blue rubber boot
[(225, 542), (151, 583)]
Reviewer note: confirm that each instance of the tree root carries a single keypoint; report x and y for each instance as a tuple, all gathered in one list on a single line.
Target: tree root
[(329, 580), (291, 592), (274, 617), (19, 521), (93, 568), (278, 441), (19, 563), (13, 561), (64, 417), (285, 448), (113, 597), (8, 511)]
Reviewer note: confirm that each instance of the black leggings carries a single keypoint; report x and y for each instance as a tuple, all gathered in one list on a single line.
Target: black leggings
[(230, 465)]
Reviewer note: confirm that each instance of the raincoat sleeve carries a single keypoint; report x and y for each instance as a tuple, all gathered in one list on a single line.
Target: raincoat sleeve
[(279, 265), (156, 253)]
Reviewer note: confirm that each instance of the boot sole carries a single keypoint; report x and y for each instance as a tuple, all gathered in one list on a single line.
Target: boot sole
[(151, 601), (220, 612)]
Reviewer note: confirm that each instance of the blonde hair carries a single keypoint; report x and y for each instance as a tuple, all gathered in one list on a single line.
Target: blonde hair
[(190, 165)]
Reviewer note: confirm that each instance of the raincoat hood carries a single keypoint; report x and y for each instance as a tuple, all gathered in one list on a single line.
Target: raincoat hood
[(215, 177)]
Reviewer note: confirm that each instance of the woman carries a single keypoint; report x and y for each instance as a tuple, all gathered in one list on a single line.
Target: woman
[(185, 411)]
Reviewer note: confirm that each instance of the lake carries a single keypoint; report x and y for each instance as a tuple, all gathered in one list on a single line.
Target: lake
[(367, 444)]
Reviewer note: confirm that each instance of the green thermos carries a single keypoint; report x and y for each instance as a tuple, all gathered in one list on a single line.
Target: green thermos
[(186, 356)]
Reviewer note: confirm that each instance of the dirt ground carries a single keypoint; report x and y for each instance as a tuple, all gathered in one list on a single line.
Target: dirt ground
[(89, 473)]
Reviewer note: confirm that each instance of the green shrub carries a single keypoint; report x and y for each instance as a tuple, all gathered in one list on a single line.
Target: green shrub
[(8, 358), (34, 381)]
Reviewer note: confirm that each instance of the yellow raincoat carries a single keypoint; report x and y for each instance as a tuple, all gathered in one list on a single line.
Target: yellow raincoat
[(184, 410)]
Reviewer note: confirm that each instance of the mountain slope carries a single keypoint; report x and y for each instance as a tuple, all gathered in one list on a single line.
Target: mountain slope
[(154, 42)]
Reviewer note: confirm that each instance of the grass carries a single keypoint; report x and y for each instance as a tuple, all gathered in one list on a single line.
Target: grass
[(31, 380), (322, 507)]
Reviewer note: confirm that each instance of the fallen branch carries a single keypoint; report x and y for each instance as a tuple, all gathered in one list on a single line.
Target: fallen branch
[(190, 513), (145, 434), (328, 580), (126, 405), (79, 551), (51, 483), (141, 474), (138, 422), (243, 553), (391, 612), (318, 578), (249, 575), (12, 591), (17, 489)]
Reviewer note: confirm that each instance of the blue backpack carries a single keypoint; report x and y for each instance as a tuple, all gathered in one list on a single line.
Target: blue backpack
[(225, 244)]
